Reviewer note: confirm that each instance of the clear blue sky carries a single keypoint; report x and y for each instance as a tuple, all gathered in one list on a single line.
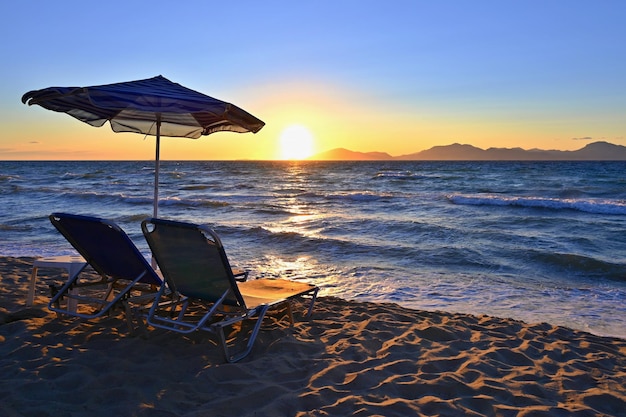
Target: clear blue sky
[(397, 76)]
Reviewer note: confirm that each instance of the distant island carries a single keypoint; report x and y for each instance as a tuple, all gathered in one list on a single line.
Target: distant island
[(597, 151)]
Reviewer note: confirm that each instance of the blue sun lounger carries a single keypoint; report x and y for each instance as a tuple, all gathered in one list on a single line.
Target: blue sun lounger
[(204, 292), (124, 274)]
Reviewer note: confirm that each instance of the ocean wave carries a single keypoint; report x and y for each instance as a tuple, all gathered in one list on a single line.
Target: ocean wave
[(399, 175), (14, 227), (274, 211), (11, 189), (189, 202), (134, 199), (594, 206), (8, 178), (580, 265), (194, 187), (295, 241), (91, 196), (361, 196), (82, 175), (99, 196), (289, 191), (131, 218)]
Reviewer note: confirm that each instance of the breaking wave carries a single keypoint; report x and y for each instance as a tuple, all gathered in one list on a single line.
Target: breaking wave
[(595, 206)]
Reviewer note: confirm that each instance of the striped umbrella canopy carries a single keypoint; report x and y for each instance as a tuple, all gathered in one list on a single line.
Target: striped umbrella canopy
[(154, 106)]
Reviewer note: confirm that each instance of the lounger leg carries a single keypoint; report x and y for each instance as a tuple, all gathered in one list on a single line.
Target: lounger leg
[(53, 292), (313, 298), (290, 312), (134, 315), (242, 354), (129, 313), (31, 287)]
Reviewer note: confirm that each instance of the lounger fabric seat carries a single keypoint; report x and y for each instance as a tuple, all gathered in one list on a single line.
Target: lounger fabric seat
[(196, 269), (112, 254)]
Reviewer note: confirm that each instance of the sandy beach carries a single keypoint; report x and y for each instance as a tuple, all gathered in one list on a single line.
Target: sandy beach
[(350, 358)]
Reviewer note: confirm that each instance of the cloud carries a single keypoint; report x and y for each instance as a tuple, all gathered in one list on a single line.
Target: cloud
[(34, 142), (583, 138)]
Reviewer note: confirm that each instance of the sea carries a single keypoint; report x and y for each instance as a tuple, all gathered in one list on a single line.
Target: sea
[(532, 241)]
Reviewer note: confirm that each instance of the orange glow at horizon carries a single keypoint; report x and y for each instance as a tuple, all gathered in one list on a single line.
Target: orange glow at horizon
[(339, 117)]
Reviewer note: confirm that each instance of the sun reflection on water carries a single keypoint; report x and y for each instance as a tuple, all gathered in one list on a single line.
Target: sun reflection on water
[(280, 267)]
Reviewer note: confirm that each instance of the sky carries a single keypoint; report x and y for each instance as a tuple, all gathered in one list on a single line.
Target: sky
[(397, 77)]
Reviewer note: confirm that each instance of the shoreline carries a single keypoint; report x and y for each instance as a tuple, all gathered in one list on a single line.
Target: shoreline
[(351, 357)]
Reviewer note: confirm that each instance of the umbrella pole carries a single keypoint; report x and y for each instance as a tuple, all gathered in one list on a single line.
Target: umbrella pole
[(157, 165)]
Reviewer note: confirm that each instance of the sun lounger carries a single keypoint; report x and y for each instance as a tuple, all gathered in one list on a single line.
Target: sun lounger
[(196, 269), (124, 275)]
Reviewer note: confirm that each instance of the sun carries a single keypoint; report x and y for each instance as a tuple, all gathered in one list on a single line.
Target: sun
[(296, 142)]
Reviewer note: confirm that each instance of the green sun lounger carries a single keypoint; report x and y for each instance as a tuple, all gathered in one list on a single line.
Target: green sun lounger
[(204, 292)]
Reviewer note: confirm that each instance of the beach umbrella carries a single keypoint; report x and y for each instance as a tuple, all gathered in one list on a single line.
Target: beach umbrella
[(154, 106)]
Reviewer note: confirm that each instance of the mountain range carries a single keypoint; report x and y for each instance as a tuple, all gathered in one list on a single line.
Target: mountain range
[(596, 151)]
